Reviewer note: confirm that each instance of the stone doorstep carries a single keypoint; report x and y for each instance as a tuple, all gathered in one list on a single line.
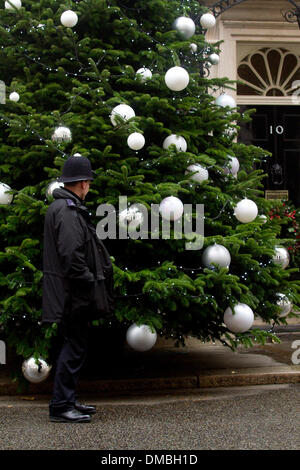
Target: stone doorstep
[(207, 379)]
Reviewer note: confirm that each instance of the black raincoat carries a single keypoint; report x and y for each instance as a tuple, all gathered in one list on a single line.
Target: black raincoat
[(77, 270)]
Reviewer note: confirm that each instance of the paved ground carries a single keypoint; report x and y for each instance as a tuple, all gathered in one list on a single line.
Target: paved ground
[(259, 417)]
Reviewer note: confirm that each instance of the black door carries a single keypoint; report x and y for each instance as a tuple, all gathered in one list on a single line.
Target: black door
[(277, 129)]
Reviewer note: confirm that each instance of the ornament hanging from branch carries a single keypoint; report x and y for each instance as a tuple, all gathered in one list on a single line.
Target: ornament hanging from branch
[(225, 100), (285, 305), (50, 188), (62, 134), (241, 320), (35, 371), (136, 141), (122, 110), (200, 175), (144, 74), (69, 19), (171, 208), (246, 211), (185, 27), (208, 21), (5, 197), (233, 166), (177, 140), (14, 96), (177, 78), (16, 3), (217, 254), (281, 257), (141, 338)]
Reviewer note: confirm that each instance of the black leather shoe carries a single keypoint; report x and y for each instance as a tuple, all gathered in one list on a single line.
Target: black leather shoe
[(70, 416), (86, 409)]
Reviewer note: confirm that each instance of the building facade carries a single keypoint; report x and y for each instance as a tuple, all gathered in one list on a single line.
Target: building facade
[(261, 50)]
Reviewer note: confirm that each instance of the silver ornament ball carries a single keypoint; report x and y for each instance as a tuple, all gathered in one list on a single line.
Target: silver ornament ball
[(5, 197), (217, 254), (171, 208), (69, 18), (177, 78), (200, 176), (144, 74), (141, 338), (208, 21), (62, 134), (185, 26), (50, 188), (122, 110), (35, 371), (285, 305), (246, 211), (136, 141), (14, 96), (214, 59), (240, 320), (177, 140), (232, 166), (281, 257), (16, 3), (225, 100)]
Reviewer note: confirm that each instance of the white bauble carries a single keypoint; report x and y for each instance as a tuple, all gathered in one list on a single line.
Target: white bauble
[(263, 218), (217, 254), (233, 166), (122, 110), (241, 320), (69, 18), (62, 134), (136, 141), (132, 216), (177, 78), (16, 3), (140, 338), (281, 256), (201, 175), (225, 100), (144, 74), (177, 140), (214, 59), (171, 208), (35, 372), (246, 211), (77, 155), (185, 26), (51, 187), (5, 198), (14, 96), (208, 21), (284, 304), (193, 47)]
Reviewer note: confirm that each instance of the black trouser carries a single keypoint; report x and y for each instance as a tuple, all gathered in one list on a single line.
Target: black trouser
[(69, 363)]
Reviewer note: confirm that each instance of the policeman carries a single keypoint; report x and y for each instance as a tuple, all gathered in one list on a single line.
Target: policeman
[(77, 284)]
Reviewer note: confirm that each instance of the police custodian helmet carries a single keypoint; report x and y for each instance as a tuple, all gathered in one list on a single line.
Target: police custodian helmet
[(76, 169)]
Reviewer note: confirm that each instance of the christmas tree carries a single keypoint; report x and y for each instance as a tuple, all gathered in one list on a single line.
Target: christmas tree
[(127, 85)]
